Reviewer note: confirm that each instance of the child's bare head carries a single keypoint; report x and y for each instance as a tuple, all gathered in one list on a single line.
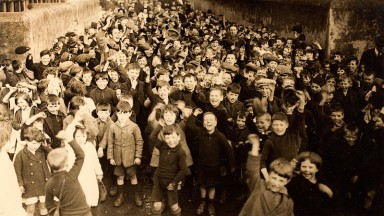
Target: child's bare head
[(280, 173), (57, 159), (263, 122)]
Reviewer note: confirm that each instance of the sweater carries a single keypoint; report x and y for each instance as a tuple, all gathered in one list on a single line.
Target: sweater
[(73, 201), (172, 163)]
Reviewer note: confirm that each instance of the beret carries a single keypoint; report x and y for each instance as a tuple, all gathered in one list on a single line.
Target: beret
[(71, 42), (252, 67), (284, 69), (264, 81), (173, 34), (269, 57), (64, 66), (82, 58), (22, 49), (70, 34), (64, 57), (232, 68)]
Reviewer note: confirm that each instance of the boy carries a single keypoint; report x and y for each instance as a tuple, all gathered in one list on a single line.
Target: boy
[(104, 122), (103, 94), (72, 200), (231, 102), (171, 170), (283, 142), (54, 121), (267, 197), (347, 97), (125, 147), (210, 147)]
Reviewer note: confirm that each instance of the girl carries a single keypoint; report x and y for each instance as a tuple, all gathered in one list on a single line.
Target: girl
[(78, 107), (32, 171), (308, 191), (23, 112), (91, 171)]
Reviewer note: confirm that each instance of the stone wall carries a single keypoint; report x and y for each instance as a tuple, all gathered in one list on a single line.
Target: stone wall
[(348, 26), (39, 26), (352, 30)]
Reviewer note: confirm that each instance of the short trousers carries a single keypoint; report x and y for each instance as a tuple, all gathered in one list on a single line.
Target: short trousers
[(159, 191), (125, 171), (33, 200)]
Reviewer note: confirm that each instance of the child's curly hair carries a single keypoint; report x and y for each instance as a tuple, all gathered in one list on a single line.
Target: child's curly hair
[(32, 133)]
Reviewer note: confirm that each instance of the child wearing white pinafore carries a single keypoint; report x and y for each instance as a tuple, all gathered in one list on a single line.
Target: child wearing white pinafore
[(91, 171)]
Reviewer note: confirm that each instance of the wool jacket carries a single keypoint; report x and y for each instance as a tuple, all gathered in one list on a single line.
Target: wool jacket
[(263, 201)]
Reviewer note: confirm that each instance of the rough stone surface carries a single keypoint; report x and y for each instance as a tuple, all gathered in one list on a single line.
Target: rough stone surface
[(348, 26), (38, 27)]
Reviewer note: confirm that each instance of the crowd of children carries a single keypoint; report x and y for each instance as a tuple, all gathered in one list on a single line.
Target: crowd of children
[(192, 98)]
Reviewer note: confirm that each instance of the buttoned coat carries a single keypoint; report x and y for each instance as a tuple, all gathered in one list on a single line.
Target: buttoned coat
[(125, 143), (32, 172)]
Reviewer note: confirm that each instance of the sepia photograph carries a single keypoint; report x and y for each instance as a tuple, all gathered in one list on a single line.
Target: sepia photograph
[(191, 107)]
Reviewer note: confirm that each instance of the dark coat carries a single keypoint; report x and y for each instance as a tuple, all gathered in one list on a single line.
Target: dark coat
[(32, 172)]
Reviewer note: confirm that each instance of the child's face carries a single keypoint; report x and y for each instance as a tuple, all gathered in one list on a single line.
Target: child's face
[(172, 139), (337, 118), (279, 127), (103, 114), (87, 79), (340, 72), (308, 170), (123, 117), (178, 83), (169, 118), (350, 137), (368, 79), (231, 59), (277, 182), (33, 145), (344, 85), (189, 83), (163, 92), (142, 62), (209, 122), (215, 98), (232, 97), (45, 59), (80, 137), (331, 82), (240, 122), (265, 90), (272, 65), (213, 70), (102, 83), (262, 124), (315, 88), (352, 65), (227, 79), (337, 58), (23, 104), (306, 80), (114, 76), (133, 74)]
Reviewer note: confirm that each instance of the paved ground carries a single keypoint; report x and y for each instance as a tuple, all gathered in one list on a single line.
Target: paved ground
[(189, 200)]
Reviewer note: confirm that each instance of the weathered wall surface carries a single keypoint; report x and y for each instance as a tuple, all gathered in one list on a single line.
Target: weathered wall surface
[(276, 15), (38, 27), (352, 30), (339, 25)]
